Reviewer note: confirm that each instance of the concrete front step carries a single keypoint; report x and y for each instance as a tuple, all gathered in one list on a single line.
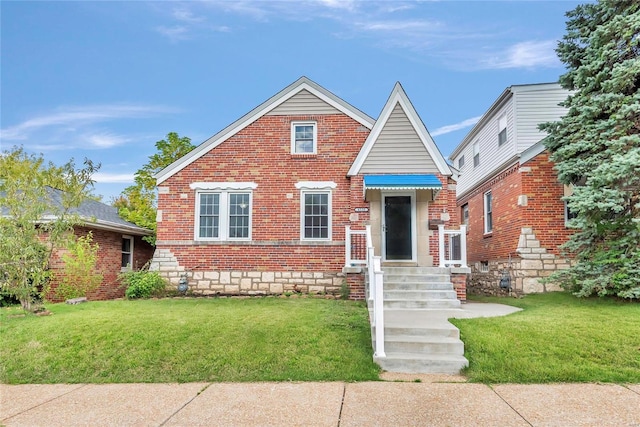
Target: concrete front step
[(412, 344), (402, 294), (418, 286), (422, 364), (403, 330), (421, 304), (422, 278), (415, 270)]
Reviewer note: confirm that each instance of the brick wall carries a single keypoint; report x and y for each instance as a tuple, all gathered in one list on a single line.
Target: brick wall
[(528, 221), (109, 261), (261, 153)]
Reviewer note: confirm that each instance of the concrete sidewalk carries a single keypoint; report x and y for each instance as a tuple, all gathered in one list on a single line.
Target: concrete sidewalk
[(436, 401)]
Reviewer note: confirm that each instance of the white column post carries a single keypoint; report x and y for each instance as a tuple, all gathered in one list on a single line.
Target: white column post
[(441, 245), (463, 246), (378, 308), (347, 246)]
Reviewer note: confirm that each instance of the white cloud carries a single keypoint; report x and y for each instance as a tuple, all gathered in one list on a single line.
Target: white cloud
[(105, 140), (110, 178), (71, 119), (456, 126), (187, 16), (527, 54), (175, 34)]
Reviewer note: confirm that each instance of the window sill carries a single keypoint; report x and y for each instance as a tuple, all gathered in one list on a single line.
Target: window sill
[(303, 156), (487, 235)]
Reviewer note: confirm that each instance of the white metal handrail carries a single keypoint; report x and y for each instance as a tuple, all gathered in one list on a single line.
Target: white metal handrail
[(375, 288), (447, 258)]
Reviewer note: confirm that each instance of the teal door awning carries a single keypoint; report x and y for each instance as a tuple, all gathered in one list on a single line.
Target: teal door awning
[(402, 182)]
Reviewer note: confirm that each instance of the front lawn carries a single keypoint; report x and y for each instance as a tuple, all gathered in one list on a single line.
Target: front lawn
[(557, 338), (185, 340)]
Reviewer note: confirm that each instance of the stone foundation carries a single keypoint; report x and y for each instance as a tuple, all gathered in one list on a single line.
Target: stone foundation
[(526, 270), (238, 282)]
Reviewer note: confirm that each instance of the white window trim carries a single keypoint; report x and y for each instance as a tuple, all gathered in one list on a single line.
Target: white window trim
[(317, 190), (316, 185), (293, 137), (476, 152), (485, 212), (130, 267), (502, 120), (223, 223)]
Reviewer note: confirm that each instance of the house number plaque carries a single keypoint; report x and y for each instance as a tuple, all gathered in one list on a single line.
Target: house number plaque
[(362, 209)]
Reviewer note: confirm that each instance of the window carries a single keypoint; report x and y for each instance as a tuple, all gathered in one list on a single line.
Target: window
[(568, 214), (223, 215), (303, 138), (464, 214), (502, 130), (488, 212), (316, 215), (484, 266), (460, 162), (127, 252), (476, 153)]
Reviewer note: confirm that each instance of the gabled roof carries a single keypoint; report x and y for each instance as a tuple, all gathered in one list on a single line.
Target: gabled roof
[(497, 104), (398, 96), (94, 214), (303, 83)]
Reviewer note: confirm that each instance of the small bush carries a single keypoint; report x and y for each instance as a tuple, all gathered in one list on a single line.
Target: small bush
[(142, 284), (79, 275), (345, 291)]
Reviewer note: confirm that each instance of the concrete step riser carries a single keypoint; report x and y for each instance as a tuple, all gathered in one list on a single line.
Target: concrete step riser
[(419, 332), (422, 348), (416, 278), (417, 286), (419, 295), (422, 366), (430, 304), (416, 270)]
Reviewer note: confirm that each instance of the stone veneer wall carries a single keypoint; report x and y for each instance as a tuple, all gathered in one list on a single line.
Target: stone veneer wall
[(236, 282), (527, 270)]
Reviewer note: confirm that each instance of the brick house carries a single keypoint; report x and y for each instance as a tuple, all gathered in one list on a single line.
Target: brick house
[(266, 205), (120, 245), (509, 195)]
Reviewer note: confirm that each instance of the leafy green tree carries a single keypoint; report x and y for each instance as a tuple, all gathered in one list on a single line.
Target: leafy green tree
[(138, 202), (32, 224), (596, 147)]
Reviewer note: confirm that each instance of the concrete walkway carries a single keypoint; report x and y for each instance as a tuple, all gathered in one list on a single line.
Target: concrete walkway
[(436, 401)]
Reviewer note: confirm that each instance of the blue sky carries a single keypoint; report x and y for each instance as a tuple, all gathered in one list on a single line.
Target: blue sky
[(106, 80)]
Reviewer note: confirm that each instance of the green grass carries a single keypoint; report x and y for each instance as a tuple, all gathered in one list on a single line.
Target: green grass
[(183, 340), (557, 338)]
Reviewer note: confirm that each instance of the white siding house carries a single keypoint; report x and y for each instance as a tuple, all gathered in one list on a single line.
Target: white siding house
[(521, 108)]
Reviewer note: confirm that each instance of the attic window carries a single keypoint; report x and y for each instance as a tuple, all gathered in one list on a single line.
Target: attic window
[(304, 137), (502, 130), (460, 162)]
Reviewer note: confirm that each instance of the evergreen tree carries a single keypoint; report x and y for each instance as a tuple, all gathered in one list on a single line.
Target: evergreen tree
[(596, 147), (137, 203)]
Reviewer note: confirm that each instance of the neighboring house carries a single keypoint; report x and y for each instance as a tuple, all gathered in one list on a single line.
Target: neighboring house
[(509, 195), (262, 206), (120, 244)]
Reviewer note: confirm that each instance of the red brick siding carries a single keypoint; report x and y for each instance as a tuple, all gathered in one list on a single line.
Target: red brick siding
[(109, 261), (261, 153), (545, 209), (503, 240)]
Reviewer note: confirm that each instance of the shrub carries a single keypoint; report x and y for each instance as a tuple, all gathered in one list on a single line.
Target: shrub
[(79, 275), (142, 284)]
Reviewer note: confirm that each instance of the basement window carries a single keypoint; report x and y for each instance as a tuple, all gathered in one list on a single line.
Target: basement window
[(484, 266)]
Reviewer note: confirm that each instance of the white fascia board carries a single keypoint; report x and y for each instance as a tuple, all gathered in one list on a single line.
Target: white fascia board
[(532, 151), (104, 225), (302, 83), (398, 95), (497, 104)]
